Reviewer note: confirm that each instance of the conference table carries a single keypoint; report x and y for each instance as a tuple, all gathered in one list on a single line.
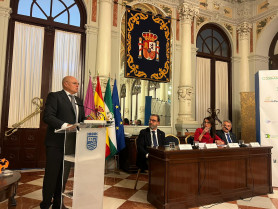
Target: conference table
[(191, 178)]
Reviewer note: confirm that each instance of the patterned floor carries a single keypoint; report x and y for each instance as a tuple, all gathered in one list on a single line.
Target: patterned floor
[(119, 193)]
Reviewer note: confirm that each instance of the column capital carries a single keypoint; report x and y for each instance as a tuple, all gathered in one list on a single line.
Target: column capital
[(5, 12), (244, 29), (188, 12), (185, 92), (91, 29)]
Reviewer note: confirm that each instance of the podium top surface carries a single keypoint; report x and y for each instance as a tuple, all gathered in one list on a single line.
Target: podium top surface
[(86, 124)]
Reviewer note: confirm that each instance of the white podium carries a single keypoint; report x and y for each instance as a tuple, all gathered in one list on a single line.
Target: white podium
[(84, 161)]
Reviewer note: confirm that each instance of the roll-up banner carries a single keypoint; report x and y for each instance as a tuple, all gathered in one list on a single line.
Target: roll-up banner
[(266, 90)]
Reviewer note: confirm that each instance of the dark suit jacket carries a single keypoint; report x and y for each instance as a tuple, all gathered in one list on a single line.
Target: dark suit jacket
[(144, 141), (59, 110), (221, 135)]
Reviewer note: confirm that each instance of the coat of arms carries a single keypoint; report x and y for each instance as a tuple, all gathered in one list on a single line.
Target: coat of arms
[(150, 46), (92, 140)]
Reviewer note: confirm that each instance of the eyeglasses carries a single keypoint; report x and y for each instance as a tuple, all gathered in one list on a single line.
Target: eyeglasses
[(153, 120)]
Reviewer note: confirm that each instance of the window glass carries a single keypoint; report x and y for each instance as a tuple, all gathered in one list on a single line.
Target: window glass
[(37, 12), (24, 7), (57, 7), (62, 18), (45, 5), (209, 44), (218, 36), (224, 49), (216, 47), (74, 16), (69, 2), (206, 33), (199, 44), (206, 50)]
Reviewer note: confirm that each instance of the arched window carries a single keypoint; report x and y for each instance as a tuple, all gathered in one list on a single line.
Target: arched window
[(122, 99), (153, 87), (46, 42), (213, 73), (135, 91), (273, 53)]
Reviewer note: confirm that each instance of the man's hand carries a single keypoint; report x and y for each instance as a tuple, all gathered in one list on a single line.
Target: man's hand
[(71, 127)]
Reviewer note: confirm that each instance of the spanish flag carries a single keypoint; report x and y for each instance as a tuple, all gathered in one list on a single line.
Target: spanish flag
[(100, 111)]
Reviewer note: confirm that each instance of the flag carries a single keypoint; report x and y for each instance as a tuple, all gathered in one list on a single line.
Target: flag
[(120, 136), (89, 104), (100, 111), (110, 116)]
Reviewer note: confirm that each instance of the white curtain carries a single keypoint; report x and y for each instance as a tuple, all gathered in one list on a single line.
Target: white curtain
[(202, 88), (221, 88), (66, 59), (26, 74)]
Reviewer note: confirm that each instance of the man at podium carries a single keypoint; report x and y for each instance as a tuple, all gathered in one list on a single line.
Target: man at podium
[(148, 137), (61, 111)]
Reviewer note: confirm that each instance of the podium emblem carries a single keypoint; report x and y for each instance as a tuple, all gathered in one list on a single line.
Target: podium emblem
[(92, 140)]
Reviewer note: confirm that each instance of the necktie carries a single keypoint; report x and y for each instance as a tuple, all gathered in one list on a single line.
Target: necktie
[(154, 139), (229, 138), (73, 105)]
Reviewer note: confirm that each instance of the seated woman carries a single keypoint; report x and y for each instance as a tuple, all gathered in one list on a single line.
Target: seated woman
[(207, 133)]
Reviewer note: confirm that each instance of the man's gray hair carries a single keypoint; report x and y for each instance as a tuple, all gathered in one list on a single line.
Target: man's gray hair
[(228, 121)]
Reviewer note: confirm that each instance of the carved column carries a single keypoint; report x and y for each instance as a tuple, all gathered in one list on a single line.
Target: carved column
[(103, 62), (187, 13), (4, 22), (244, 30)]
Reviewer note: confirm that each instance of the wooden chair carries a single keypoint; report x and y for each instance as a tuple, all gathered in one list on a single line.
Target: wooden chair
[(171, 138)]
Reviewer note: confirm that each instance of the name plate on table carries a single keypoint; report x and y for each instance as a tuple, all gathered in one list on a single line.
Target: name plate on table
[(254, 144), (211, 146), (185, 146), (233, 145), (202, 145)]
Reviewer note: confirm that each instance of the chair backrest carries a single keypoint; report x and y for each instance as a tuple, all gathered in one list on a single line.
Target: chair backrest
[(189, 139), (171, 138)]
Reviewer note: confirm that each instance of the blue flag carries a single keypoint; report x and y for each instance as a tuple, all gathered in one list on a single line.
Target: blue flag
[(120, 136)]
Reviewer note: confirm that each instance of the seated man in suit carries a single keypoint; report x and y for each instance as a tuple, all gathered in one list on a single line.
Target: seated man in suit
[(148, 137), (225, 134)]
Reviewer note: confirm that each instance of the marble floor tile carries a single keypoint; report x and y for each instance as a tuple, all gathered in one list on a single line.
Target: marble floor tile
[(274, 195), (111, 180), (139, 196), (37, 195), (112, 203), (122, 175), (136, 205), (106, 187), (127, 183), (119, 192), (260, 202), (24, 189), (142, 177), (220, 206), (145, 187)]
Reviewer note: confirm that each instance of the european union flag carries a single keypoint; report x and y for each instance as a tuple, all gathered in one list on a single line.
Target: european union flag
[(120, 136)]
